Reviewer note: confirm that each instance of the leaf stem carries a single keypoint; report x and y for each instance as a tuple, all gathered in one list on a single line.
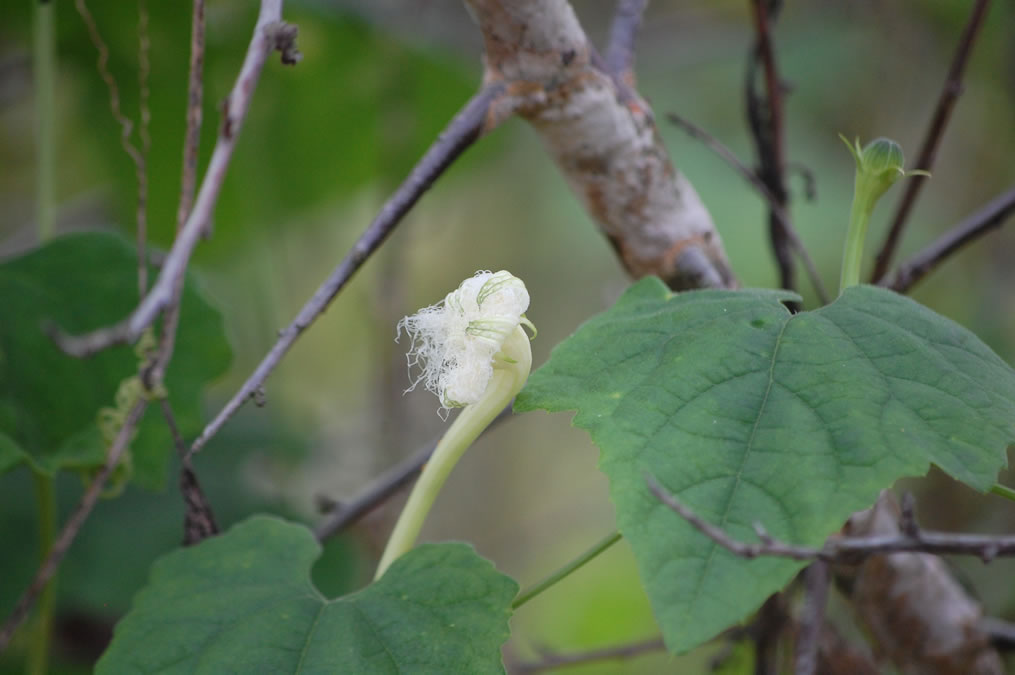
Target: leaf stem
[(852, 255), (44, 71), (45, 497), (510, 373), (565, 571), (1003, 491)]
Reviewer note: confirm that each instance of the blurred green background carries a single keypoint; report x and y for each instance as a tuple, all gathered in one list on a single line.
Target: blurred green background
[(327, 141)]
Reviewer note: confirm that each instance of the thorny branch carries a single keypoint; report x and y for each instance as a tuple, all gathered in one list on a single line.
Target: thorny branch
[(72, 527), (991, 216), (466, 127), (778, 211), (845, 549), (928, 151), (234, 110)]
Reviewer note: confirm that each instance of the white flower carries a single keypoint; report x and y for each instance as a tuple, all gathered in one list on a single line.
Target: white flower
[(455, 342)]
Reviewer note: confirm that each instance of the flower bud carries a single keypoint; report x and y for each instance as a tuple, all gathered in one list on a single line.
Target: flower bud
[(878, 166)]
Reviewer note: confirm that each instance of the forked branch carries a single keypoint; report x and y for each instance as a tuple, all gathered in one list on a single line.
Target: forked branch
[(267, 37)]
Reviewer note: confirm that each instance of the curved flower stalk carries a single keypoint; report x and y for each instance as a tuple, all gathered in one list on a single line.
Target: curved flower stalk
[(471, 351)]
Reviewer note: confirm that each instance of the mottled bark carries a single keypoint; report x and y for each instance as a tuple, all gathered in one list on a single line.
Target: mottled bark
[(917, 615), (603, 137)]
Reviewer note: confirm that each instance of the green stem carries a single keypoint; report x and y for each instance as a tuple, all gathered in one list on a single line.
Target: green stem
[(852, 256), (1003, 491), (44, 66), (600, 546), (38, 655), (509, 375)]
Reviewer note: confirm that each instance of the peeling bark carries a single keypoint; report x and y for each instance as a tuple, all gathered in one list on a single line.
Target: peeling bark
[(603, 137), (918, 616)]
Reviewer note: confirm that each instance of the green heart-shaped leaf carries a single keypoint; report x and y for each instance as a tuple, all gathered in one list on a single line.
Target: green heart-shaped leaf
[(243, 602), (48, 400), (750, 414)]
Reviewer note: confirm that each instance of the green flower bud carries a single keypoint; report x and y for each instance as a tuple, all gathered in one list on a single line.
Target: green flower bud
[(878, 166)]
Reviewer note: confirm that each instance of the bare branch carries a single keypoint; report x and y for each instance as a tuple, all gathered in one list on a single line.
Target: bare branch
[(752, 178), (195, 98), (72, 527), (623, 32), (603, 137), (765, 120), (234, 111), (385, 486), (840, 549), (808, 642), (991, 216), (928, 151), (463, 130), (553, 661)]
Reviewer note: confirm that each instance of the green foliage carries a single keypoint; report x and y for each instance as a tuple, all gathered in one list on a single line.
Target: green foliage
[(243, 602), (50, 402), (750, 414), (360, 107)]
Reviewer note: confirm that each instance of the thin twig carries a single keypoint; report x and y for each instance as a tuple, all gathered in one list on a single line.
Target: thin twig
[(386, 485), (839, 548), (759, 186), (990, 216), (198, 519), (808, 641), (195, 101), (266, 38), (928, 151), (623, 32), (136, 155), (765, 119), (463, 130), (580, 658), (72, 527), (144, 68)]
